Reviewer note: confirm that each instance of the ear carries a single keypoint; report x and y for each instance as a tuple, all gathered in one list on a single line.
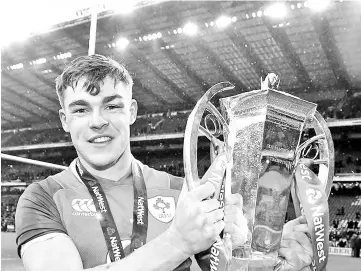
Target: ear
[(133, 111), (62, 117)]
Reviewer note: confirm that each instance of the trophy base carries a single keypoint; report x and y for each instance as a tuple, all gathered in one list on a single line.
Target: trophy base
[(259, 261)]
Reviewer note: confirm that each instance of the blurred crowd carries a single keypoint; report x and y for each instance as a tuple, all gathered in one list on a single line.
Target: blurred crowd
[(26, 173), (8, 216), (148, 124), (346, 234), (347, 163)]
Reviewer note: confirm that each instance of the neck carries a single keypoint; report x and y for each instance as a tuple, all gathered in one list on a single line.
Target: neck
[(116, 172)]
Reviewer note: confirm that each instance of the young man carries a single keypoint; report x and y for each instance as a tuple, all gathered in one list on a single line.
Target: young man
[(107, 205)]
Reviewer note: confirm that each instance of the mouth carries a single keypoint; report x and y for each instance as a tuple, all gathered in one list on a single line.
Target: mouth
[(100, 139)]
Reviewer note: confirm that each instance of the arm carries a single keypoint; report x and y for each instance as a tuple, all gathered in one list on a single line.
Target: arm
[(196, 224), (60, 253)]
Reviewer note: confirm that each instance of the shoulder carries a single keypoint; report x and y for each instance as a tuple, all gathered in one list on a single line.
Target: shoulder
[(51, 184), (45, 188), (36, 212), (40, 195), (160, 179)]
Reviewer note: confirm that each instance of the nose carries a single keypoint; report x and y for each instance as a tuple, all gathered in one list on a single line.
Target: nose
[(98, 121)]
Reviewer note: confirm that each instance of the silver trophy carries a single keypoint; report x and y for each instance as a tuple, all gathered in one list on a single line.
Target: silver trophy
[(262, 139)]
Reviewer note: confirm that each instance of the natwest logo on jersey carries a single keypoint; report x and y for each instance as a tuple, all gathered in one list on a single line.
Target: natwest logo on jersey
[(83, 207)]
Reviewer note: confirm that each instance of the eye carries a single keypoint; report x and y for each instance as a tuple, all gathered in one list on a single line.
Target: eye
[(80, 111), (114, 106)]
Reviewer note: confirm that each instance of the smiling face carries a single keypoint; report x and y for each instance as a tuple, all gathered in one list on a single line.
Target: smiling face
[(99, 125)]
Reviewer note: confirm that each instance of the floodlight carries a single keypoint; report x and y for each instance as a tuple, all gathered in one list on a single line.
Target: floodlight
[(277, 10), (122, 43), (317, 5), (122, 7), (190, 29), (223, 21)]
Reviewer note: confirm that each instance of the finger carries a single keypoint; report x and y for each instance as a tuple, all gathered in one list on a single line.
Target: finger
[(235, 199), (215, 216), (302, 228), (203, 191), (218, 227), (301, 220), (239, 220), (238, 234), (209, 205), (235, 215), (297, 221), (295, 257), (231, 228), (301, 238), (231, 210)]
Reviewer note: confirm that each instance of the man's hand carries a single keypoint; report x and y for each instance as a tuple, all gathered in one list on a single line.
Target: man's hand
[(296, 247), (236, 223), (198, 220)]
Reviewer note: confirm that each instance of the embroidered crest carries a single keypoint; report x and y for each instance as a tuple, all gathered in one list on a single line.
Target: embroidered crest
[(162, 208)]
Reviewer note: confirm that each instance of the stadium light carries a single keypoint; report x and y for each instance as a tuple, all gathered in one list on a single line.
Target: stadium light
[(223, 21), (122, 43), (317, 5), (277, 10), (122, 7), (190, 29), (39, 17)]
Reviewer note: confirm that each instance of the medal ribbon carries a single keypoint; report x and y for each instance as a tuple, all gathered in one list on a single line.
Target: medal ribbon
[(314, 205), (106, 220)]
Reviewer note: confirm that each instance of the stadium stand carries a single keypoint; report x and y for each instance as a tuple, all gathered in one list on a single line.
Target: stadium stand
[(149, 124)]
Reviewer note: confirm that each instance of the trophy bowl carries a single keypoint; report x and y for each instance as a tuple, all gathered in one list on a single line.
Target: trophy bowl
[(271, 140)]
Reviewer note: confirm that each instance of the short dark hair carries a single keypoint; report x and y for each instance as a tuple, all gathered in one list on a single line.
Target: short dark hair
[(95, 68)]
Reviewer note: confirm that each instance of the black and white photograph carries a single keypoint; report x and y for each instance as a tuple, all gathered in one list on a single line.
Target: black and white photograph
[(158, 135)]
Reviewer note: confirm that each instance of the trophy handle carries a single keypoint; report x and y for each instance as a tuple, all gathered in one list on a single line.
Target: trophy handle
[(194, 128), (326, 156), (327, 152), (311, 187)]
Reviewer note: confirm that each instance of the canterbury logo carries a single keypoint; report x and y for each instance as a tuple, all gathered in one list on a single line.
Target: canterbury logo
[(83, 207)]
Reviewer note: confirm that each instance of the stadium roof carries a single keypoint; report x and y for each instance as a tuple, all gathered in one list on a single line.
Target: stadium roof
[(177, 50)]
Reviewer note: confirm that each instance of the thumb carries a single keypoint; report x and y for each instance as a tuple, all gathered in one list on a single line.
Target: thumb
[(299, 220)]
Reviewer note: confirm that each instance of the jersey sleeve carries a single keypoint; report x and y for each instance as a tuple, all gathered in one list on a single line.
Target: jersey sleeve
[(36, 215)]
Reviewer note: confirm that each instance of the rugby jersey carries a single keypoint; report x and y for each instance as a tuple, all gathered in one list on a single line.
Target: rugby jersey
[(62, 203)]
